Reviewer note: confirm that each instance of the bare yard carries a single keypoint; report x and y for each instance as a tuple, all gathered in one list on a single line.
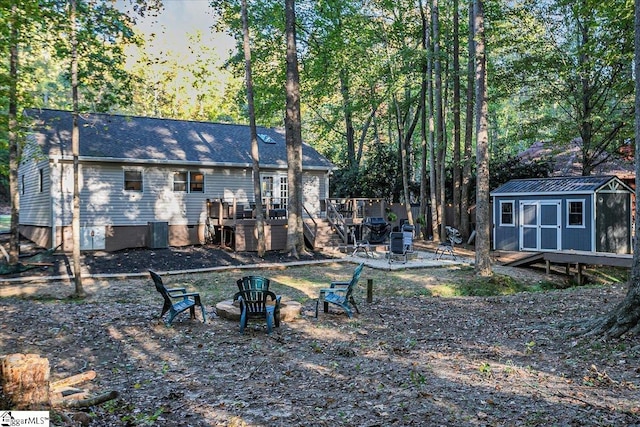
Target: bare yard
[(410, 358)]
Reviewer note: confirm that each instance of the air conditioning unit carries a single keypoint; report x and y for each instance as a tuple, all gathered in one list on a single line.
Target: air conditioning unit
[(157, 235)]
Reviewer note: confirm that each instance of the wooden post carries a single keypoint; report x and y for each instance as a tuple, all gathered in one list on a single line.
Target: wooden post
[(25, 381), (369, 290), (548, 267), (580, 276)]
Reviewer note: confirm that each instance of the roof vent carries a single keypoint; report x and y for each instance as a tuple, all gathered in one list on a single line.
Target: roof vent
[(266, 138)]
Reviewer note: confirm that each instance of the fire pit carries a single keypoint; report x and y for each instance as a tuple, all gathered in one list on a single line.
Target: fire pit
[(289, 309)]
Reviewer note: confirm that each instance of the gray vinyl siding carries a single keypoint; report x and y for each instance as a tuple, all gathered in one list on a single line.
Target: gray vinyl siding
[(578, 239), (35, 205), (506, 237), (105, 202)]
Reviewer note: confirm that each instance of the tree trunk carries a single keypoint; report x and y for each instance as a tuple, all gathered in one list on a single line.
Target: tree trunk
[(483, 224), (439, 116), (14, 242), (456, 116), (424, 148), (293, 130), (75, 150), (626, 316), (465, 228), (255, 151), (348, 119), (25, 381), (433, 181)]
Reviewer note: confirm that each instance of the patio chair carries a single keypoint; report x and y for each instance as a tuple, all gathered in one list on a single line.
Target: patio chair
[(255, 304), (397, 247), (447, 246), (341, 294), (185, 300), (253, 282), (360, 245)]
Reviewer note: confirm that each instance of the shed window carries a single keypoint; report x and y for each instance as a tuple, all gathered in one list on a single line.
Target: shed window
[(133, 180), (194, 181), (575, 213), (506, 213)]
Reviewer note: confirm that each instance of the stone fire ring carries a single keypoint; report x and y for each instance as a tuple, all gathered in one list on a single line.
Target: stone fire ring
[(289, 310)]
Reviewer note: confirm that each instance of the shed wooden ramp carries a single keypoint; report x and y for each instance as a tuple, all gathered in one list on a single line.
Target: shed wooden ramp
[(519, 259), (568, 258)]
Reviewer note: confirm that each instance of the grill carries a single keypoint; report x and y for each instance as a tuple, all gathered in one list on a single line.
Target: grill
[(375, 230)]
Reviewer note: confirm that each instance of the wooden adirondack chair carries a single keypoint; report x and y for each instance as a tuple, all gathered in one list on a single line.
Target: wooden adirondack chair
[(254, 304), (341, 294), (185, 300)]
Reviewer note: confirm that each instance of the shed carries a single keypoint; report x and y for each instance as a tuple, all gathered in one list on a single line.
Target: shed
[(585, 213), (148, 181)]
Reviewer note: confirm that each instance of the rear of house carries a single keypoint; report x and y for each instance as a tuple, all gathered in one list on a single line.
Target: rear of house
[(147, 181), (591, 214)]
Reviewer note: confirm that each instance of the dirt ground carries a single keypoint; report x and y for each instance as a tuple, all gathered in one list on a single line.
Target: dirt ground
[(408, 360)]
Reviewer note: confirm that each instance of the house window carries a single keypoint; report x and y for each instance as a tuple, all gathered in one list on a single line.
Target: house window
[(194, 181), (180, 181), (506, 213), (275, 191), (132, 180), (284, 192), (22, 184), (267, 190), (575, 213), (40, 180)]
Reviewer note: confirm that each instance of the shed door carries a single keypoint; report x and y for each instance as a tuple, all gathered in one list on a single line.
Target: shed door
[(540, 225)]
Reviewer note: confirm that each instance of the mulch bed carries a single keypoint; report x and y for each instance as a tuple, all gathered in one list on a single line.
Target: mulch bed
[(140, 260)]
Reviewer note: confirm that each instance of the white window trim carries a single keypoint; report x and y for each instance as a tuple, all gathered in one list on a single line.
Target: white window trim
[(584, 204), (513, 213), (187, 182)]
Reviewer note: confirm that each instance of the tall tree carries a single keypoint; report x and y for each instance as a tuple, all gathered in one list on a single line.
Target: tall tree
[(625, 318), (424, 129), (255, 153), (439, 117), (468, 133), (483, 223), (293, 135), (75, 150), (565, 67), (456, 116), (20, 20), (14, 21)]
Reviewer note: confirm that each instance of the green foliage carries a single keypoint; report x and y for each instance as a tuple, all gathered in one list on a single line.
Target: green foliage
[(502, 170)]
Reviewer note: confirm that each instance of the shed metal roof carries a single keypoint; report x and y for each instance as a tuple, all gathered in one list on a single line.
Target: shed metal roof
[(112, 137), (556, 186)]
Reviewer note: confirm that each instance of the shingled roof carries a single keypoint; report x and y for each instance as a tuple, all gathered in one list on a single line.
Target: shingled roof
[(112, 137), (560, 185)]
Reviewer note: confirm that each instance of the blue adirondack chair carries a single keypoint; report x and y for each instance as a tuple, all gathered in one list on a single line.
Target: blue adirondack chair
[(184, 300), (341, 294)]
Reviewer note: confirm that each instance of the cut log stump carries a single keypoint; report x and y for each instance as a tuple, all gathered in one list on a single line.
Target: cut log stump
[(25, 381), (26, 386)]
